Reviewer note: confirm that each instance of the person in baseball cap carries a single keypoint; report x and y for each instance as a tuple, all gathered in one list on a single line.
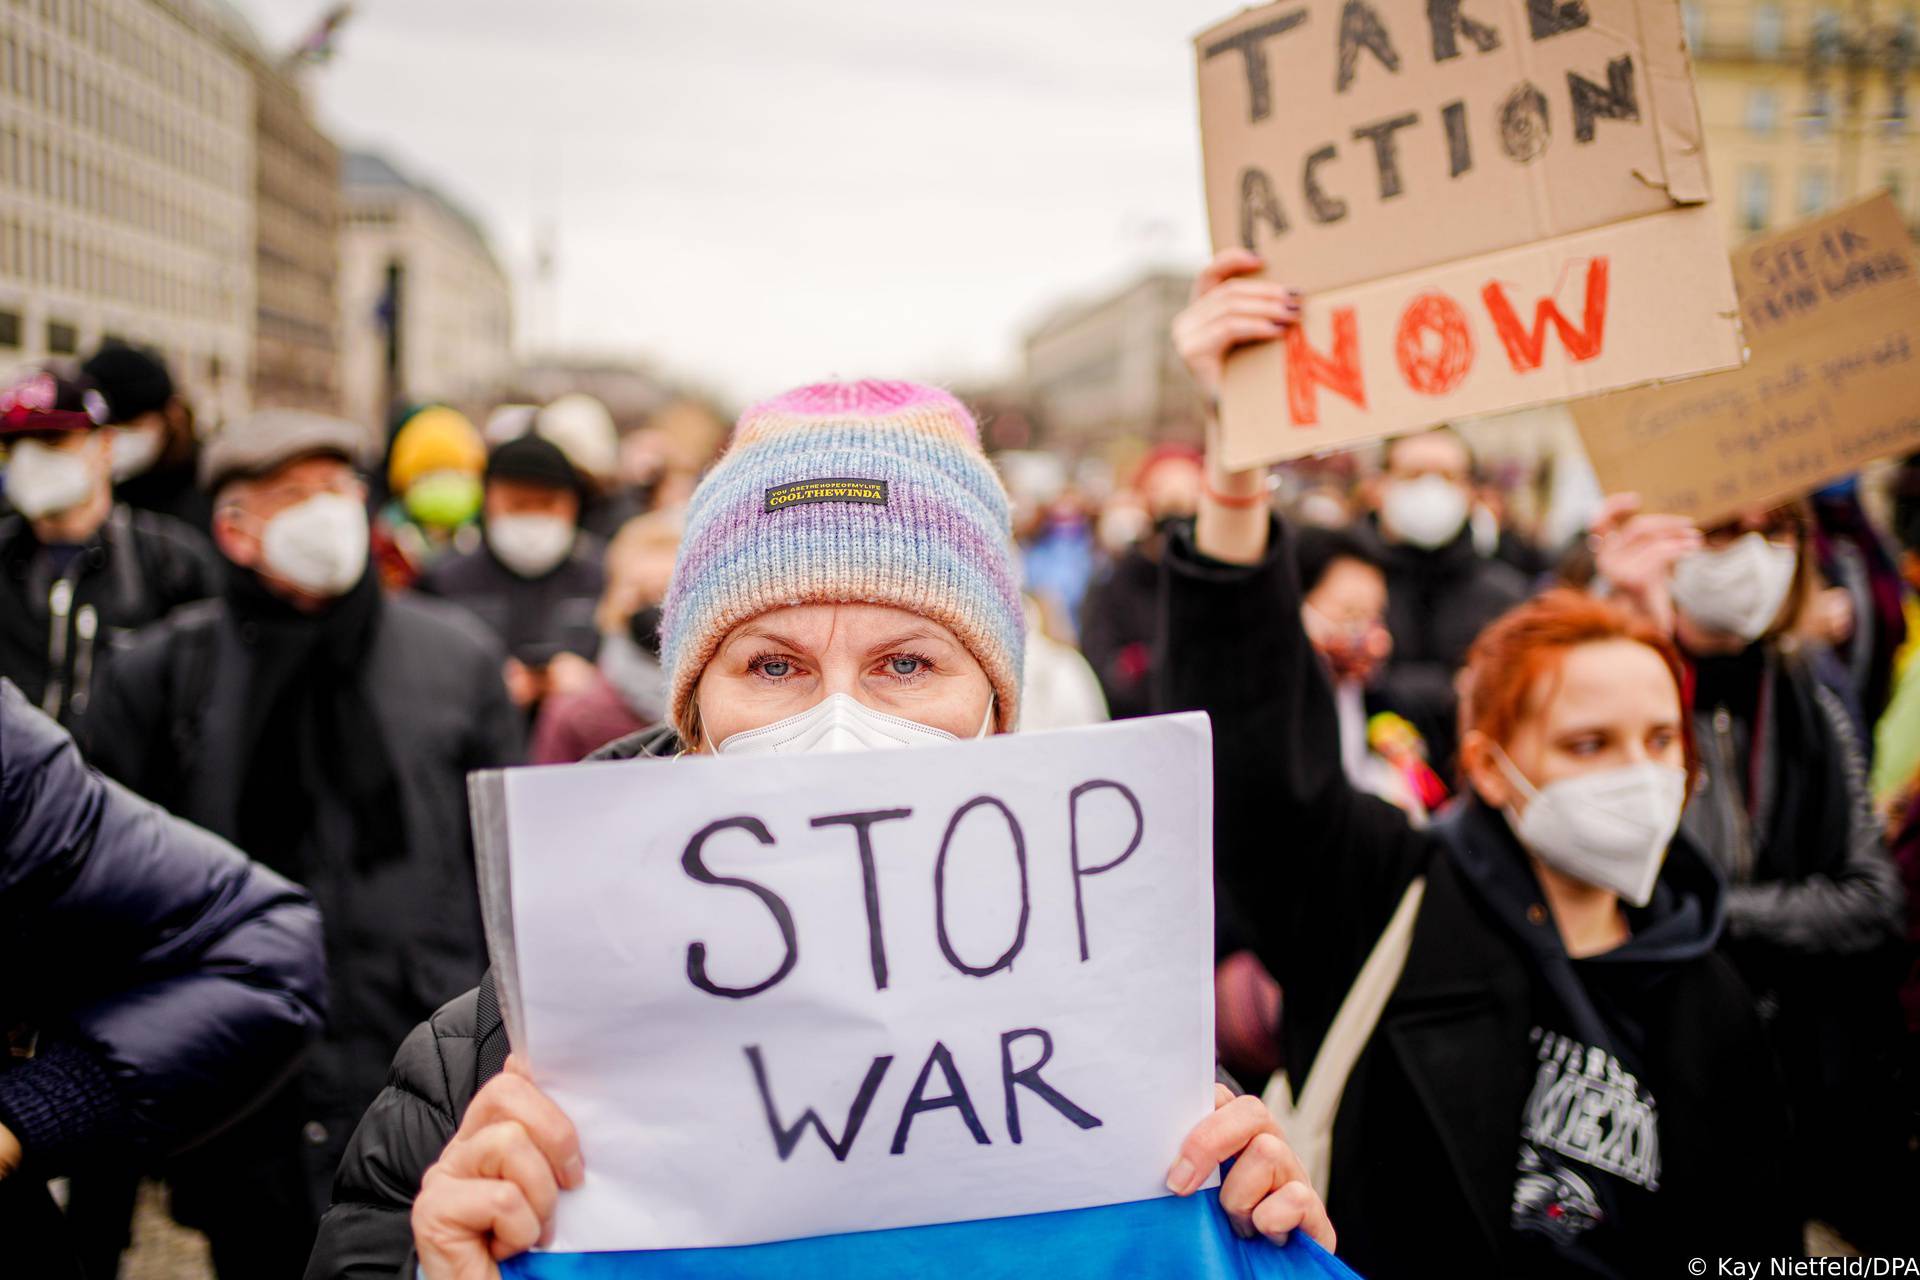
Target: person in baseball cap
[(76, 568)]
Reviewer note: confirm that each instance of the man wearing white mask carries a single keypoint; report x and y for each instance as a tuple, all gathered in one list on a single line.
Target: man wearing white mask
[(328, 730), (1441, 592), (78, 572), (536, 577)]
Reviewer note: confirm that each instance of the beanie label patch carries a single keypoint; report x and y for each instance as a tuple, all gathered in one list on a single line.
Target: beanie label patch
[(801, 492)]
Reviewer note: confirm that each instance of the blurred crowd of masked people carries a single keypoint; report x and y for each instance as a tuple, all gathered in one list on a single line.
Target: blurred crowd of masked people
[(303, 642)]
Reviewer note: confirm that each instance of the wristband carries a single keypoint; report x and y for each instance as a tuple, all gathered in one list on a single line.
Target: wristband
[(1237, 502)]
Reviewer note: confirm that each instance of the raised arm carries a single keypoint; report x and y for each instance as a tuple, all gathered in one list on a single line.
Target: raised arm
[(1316, 867)]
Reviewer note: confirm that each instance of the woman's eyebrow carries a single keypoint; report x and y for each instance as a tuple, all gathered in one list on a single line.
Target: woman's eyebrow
[(916, 636), (771, 637)]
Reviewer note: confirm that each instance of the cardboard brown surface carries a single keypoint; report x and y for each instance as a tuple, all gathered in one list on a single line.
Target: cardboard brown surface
[(1832, 309), (1364, 146)]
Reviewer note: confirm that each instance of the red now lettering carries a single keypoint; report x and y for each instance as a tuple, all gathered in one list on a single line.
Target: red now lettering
[(1308, 370), (1526, 348), (1434, 345)]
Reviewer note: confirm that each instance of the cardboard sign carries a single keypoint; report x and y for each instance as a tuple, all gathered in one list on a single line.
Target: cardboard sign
[(797, 996), (1832, 308), (1488, 203)]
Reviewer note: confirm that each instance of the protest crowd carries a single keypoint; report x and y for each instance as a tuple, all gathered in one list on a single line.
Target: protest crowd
[(1650, 794), (1566, 914)]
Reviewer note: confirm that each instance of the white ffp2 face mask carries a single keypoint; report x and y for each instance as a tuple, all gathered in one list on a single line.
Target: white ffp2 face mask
[(44, 481), (1428, 512), (1610, 828), (319, 545), (839, 723), (531, 546), (134, 450), (1738, 589)]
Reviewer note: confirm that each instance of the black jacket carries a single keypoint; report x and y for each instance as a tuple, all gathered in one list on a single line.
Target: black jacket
[(1437, 603), (163, 982), (535, 618), (403, 935), (367, 1232), (135, 570), (1816, 915), (1424, 1144)]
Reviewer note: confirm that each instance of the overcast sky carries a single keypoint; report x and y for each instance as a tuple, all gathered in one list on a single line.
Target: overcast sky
[(755, 193)]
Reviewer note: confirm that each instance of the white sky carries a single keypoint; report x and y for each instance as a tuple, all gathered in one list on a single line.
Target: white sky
[(756, 193)]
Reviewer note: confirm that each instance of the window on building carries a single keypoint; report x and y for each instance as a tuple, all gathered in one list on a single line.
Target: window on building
[(1756, 197), (62, 339), (1763, 110), (1817, 120), (1769, 27), (1816, 189), (10, 329)]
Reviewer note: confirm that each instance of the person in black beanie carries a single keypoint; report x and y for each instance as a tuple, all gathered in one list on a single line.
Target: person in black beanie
[(327, 729), (154, 451), (537, 576)]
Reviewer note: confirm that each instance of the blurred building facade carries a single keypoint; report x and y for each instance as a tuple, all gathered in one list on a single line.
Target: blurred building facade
[(296, 339), (1104, 370), (1806, 104), (127, 187), (426, 311)]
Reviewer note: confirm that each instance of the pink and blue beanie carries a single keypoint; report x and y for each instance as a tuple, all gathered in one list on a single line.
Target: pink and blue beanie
[(843, 493)]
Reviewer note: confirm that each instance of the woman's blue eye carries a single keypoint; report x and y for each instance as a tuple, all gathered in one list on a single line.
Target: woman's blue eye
[(904, 666), (775, 668)]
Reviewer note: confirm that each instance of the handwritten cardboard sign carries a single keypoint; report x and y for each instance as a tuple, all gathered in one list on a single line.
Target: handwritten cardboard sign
[(1488, 203), (805, 995), (1832, 309)]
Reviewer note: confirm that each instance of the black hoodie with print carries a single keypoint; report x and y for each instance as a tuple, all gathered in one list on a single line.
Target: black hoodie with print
[(1492, 1033)]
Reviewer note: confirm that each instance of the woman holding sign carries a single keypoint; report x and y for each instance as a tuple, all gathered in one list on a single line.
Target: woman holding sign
[(846, 583), (1542, 1067)]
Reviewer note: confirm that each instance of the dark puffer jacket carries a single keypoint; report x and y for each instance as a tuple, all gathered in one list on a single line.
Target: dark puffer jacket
[(160, 981)]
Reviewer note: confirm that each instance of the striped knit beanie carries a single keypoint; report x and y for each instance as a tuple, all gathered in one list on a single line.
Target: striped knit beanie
[(844, 493)]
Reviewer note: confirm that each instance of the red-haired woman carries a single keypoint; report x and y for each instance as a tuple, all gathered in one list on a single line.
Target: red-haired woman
[(1566, 1078)]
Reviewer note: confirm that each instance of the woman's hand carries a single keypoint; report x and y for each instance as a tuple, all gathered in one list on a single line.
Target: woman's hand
[(1266, 1191), (492, 1192), (1227, 311), (1635, 554)]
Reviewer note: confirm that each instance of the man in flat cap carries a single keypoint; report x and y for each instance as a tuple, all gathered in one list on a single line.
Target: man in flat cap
[(327, 729)]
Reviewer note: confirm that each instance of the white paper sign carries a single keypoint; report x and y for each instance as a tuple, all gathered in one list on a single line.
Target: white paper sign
[(1003, 970)]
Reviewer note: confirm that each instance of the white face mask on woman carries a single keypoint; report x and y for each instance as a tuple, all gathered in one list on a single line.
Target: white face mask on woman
[(839, 723), (1738, 589), (44, 481), (1427, 512), (1609, 828), (319, 544)]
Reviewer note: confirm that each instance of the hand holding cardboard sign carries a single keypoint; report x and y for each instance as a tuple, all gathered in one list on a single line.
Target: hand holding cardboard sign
[(1229, 309), (1226, 310), (1635, 553)]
